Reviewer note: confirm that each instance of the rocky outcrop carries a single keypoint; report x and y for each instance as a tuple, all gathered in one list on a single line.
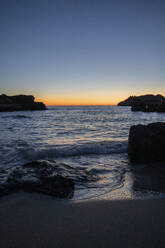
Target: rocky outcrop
[(146, 103), (19, 102), (127, 102), (147, 143), (36, 176)]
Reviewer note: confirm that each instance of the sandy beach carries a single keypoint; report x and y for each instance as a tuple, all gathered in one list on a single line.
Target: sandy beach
[(34, 220)]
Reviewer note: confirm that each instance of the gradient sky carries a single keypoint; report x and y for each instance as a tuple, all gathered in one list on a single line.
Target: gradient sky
[(82, 51)]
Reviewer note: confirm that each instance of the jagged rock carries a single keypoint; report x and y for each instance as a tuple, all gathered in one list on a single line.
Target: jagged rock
[(36, 176), (19, 102), (147, 143), (146, 103), (127, 102)]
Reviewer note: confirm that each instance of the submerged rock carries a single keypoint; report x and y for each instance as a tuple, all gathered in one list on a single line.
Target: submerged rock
[(147, 142), (19, 102), (36, 176), (146, 103)]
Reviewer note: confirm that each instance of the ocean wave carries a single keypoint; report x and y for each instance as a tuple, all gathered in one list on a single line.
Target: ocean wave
[(90, 148)]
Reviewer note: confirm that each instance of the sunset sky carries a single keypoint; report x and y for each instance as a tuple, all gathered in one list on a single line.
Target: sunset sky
[(82, 51)]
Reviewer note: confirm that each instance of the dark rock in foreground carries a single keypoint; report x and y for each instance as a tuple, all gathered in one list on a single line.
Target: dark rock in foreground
[(36, 176), (146, 103), (19, 102), (147, 143), (149, 177)]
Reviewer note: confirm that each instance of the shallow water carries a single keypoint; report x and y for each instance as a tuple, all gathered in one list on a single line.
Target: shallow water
[(92, 140)]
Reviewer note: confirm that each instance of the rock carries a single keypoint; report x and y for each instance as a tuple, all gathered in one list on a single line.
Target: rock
[(127, 102), (36, 176), (22, 99), (57, 186), (146, 103), (149, 177), (147, 143), (19, 102)]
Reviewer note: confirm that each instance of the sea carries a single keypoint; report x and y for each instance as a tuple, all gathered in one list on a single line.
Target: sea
[(89, 141)]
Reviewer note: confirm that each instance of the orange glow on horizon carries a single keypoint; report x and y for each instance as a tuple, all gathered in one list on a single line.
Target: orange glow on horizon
[(79, 104), (88, 98), (109, 97), (75, 100), (76, 103)]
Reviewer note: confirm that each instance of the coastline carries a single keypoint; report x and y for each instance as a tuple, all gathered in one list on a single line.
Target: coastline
[(34, 220)]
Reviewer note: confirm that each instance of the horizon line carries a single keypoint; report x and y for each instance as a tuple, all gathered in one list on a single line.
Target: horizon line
[(81, 105)]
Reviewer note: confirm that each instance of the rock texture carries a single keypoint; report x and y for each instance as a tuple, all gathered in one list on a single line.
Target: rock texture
[(147, 143), (149, 177), (147, 103), (36, 176), (19, 102)]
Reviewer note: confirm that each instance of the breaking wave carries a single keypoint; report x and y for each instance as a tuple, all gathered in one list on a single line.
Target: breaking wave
[(94, 148)]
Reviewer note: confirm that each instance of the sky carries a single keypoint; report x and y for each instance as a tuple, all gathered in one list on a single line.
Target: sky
[(72, 52)]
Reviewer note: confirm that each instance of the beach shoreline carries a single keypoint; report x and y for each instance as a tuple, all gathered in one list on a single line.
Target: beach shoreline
[(35, 220)]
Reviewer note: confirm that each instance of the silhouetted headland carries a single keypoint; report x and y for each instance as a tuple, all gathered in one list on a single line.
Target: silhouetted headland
[(19, 102), (146, 103)]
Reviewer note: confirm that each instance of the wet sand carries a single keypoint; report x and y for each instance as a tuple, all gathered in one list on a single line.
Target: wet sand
[(38, 221)]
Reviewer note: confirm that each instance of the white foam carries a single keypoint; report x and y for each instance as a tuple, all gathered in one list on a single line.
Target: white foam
[(97, 148)]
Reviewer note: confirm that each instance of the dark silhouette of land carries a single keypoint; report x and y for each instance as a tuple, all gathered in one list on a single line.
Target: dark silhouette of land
[(19, 102), (146, 103)]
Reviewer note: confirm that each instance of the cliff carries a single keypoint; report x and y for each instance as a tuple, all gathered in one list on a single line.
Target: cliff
[(19, 102), (127, 102), (147, 103)]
